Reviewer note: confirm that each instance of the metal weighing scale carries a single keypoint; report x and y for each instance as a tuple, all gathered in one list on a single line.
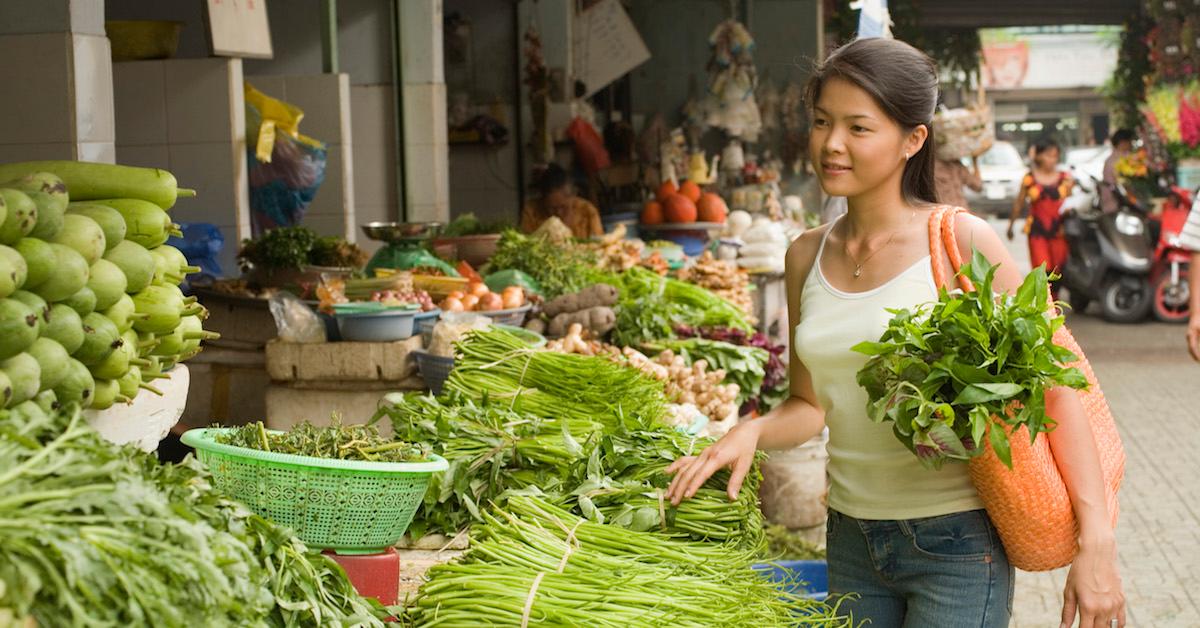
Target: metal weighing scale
[(404, 247)]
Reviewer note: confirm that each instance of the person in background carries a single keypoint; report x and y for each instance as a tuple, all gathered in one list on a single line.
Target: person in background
[(1189, 239), (950, 176), (1122, 145), (556, 198), (1044, 189)]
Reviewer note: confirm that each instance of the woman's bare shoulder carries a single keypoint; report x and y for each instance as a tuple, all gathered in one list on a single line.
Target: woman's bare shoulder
[(802, 252)]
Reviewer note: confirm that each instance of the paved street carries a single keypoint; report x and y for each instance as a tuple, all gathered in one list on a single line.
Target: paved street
[(1152, 386)]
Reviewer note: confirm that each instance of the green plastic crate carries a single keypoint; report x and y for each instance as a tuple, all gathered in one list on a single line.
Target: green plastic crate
[(347, 506)]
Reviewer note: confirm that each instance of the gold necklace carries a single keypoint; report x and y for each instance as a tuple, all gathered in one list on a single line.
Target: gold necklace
[(858, 266)]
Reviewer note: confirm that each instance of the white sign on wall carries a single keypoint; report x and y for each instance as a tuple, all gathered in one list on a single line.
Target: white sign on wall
[(1051, 61), (606, 45), (238, 28)]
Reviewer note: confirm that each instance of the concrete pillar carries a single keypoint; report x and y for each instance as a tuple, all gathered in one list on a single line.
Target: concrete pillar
[(426, 146), (57, 65)]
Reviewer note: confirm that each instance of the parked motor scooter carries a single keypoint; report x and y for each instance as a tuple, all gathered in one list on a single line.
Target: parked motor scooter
[(1110, 258), (1169, 275)]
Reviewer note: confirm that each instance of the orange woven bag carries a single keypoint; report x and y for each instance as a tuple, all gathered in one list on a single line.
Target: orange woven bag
[(1029, 503)]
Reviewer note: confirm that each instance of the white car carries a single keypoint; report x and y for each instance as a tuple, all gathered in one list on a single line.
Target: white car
[(1001, 169)]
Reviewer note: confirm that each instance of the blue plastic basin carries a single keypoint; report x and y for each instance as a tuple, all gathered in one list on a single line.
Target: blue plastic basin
[(388, 326), (808, 578)]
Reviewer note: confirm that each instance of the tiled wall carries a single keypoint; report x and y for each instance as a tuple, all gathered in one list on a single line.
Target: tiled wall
[(374, 132), (188, 116), (483, 179), (57, 97), (325, 100)]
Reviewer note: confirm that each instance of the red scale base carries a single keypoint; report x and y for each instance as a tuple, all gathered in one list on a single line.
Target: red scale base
[(373, 575)]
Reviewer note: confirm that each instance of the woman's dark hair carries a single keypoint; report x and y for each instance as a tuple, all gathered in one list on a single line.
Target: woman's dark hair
[(904, 82), (1045, 144), (551, 178), (1123, 135)]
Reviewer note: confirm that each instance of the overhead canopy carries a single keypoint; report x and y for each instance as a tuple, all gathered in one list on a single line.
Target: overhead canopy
[(990, 14)]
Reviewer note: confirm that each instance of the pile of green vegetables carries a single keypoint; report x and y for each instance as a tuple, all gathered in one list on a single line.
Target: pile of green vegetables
[(334, 441), (557, 269), (96, 535), (651, 306), (785, 544), (967, 369), (609, 477), (582, 429), (539, 564), (503, 367), (296, 247), (469, 224)]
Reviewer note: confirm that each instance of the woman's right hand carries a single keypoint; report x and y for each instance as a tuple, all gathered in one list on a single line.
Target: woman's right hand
[(1009, 233), (735, 450)]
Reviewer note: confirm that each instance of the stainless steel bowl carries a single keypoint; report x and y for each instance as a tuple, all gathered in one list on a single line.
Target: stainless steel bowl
[(394, 232)]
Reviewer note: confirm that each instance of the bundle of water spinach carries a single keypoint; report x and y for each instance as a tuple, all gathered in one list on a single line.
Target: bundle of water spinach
[(537, 564), (608, 474)]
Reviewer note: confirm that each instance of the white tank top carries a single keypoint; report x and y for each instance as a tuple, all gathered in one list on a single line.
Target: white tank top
[(872, 475)]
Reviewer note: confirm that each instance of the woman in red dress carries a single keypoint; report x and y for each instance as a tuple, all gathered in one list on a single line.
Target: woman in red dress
[(1044, 189)]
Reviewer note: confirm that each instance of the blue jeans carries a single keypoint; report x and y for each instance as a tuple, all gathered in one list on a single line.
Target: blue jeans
[(949, 570)]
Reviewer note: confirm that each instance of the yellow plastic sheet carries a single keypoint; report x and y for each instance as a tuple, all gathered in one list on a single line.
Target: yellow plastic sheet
[(275, 116)]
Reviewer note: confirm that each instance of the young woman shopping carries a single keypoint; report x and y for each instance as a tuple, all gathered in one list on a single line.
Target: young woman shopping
[(914, 544), (1044, 189)]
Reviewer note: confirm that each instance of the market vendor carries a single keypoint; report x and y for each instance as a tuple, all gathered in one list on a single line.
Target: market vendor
[(556, 198), (950, 176)]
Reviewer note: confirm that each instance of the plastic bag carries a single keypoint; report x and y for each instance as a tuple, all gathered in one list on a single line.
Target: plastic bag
[(498, 281), (295, 321), (451, 329), (286, 167), (201, 244), (589, 146)]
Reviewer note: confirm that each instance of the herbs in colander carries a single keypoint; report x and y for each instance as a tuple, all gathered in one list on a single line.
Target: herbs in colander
[(953, 374), (333, 441)]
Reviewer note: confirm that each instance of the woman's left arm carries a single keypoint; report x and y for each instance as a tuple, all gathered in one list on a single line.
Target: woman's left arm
[(1093, 589)]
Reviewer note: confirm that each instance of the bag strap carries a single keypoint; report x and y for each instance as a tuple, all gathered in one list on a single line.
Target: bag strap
[(942, 236)]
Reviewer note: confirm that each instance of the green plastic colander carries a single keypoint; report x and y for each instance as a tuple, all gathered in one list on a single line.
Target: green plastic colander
[(348, 506)]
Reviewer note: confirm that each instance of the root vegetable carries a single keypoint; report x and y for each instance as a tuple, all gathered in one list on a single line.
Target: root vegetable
[(536, 325), (590, 297), (513, 297), (491, 302), (596, 320)]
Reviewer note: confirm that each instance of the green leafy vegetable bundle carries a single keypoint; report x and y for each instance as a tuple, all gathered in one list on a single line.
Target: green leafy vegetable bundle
[(468, 224), (295, 247), (557, 269), (968, 369), (96, 535), (335, 441), (651, 306), (543, 565)]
